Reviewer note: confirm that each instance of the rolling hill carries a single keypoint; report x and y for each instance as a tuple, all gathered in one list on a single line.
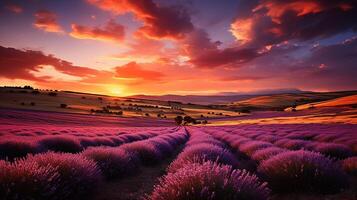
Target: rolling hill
[(347, 101), (282, 101)]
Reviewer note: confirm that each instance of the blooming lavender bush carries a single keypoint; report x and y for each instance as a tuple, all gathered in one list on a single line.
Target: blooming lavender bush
[(206, 140), (268, 138), (250, 147), (266, 153), (163, 145), (113, 162), (61, 144), (338, 151), (27, 180), (103, 141), (349, 165), (88, 142), (303, 171), (117, 140), (78, 175), (238, 142), (203, 152), (294, 144), (10, 149), (148, 153), (209, 181)]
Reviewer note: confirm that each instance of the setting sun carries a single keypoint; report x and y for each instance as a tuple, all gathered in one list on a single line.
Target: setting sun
[(115, 90)]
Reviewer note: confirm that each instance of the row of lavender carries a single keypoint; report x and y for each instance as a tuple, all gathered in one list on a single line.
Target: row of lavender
[(343, 134), (13, 145), (207, 169), (288, 169), (53, 175)]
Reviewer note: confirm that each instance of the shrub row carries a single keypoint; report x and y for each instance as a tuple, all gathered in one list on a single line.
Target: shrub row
[(290, 171), (12, 148), (205, 170), (126, 159), (54, 175)]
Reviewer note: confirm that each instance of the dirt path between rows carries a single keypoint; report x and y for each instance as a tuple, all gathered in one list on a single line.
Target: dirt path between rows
[(134, 187)]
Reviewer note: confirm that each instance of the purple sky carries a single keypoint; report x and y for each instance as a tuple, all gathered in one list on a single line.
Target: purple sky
[(124, 47)]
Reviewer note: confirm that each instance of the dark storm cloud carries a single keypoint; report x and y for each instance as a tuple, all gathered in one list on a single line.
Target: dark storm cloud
[(18, 64), (270, 22), (159, 21), (331, 67), (205, 53)]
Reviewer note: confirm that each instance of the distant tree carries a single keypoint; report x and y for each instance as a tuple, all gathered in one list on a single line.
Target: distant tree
[(189, 120), (178, 120), (100, 98), (32, 104), (28, 87), (22, 103), (202, 116), (159, 115), (83, 97), (63, 105), (147, 114)]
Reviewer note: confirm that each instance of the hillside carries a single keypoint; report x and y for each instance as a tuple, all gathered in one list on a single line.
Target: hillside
[(348, 101), (220, 98), (83, 103), (282, 101), (196, 99)]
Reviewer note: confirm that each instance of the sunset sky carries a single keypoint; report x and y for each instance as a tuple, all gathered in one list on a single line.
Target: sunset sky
[(125, 47)]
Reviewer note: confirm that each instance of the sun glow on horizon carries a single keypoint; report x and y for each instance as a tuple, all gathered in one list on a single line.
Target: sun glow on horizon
[(116, 90)]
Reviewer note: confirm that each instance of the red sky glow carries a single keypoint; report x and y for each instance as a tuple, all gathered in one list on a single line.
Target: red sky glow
[(126, 47)]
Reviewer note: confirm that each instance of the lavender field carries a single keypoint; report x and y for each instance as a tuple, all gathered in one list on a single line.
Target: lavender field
[(310, 161), (178, 100)]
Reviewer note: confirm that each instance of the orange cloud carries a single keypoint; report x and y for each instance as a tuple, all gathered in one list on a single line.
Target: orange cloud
[(243, 78), (242, 29), (159, 22), (134, 71), (111, 32), (47, 21), (143, 50), (15, 8)]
